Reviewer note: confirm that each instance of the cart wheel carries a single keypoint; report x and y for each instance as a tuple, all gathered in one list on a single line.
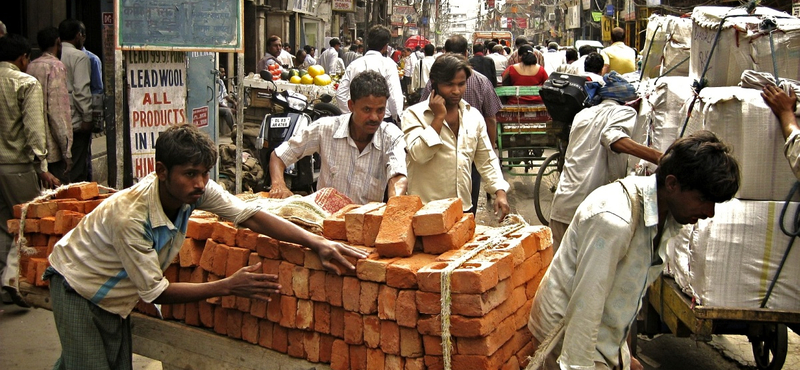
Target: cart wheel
[(545, 187), (769, 348)]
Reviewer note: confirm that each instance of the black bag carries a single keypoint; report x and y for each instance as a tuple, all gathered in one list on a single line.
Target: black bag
[(563, 94)]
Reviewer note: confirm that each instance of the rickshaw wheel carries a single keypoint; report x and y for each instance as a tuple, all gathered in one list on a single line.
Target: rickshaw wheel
[(770, 347)]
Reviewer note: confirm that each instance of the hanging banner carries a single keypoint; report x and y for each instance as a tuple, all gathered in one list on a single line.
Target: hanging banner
[(343, 5), (157, 100), (573, 19), (587, 4), (629, 13)]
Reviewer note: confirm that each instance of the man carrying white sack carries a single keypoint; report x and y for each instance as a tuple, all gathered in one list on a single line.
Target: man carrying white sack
[(783, 105), (592, 291)]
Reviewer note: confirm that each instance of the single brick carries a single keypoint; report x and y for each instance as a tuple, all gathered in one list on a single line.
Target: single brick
[(335, 227), (267, 247), (288, 311), (532, 286), (221, 320), (304, 318), (42, 210), (254, 259), (372, 225), (171, 273), (47, 225), (406, 309), (291, 252), (434, 362), (274, 309), (368, 300), (333, 289), (243, 304), (527, 270), (16, 211), (470, 277), (402, 273), (392, 362), (199, 228), (375, 359), (372, 331), (390, 337), (237, 258), (250, 328), (340, 355), (311, 260), (72, 205), (285, 278), (437, 217), (51, 243), (206, 311), (455, 238), (31, 225), (224, 233), (280, 340), (351, 291), (337, 321), (296, 339), (265, 333), (322, 317), (354, 222), (191, 252), (229, 301), (358, 358), (511, 364), (220, 265), (13, 226), (352, 260), (410, 343), (192, 314), (325, 347), (353, 328), (80, 192), (91, 205), (208, 256), (373, 268), (433, 345), (396, 236), (387, 302), (258, 308), (415, 363), (270, 266), (246, 238), (300, 276), (65, 221), (488, 345), (316, 285), (311, 345)]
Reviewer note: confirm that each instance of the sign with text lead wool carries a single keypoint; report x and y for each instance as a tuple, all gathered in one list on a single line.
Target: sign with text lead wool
[(157, 100)]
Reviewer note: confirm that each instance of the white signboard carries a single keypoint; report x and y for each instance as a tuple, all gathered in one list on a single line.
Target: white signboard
[(157, 100), (573, 19)]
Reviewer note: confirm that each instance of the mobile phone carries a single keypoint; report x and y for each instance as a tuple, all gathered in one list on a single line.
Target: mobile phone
[(435, 88)]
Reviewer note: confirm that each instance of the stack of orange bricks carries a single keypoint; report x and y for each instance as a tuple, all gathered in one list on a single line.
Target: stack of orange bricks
[(46, 222), (386, 314)]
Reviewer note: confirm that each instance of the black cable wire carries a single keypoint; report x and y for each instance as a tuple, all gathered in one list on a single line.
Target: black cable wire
[(793, 234)]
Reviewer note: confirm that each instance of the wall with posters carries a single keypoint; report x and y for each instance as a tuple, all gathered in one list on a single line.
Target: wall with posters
[(156, 100)]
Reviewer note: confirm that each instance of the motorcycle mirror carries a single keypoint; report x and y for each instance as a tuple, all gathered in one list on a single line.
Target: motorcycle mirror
[(265, 75), (325, 98)]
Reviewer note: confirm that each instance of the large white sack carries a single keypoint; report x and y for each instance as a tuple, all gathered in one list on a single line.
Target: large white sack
[(733, 258), (677, 51), (742, 119), (742, 45)]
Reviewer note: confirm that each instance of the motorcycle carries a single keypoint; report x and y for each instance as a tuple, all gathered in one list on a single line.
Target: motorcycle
[(279, 126)]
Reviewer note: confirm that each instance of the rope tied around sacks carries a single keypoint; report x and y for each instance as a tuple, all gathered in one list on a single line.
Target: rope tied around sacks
[(22, 242), (510, 224)]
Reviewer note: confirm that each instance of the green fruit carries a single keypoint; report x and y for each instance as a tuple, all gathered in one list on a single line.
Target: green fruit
[(303, 72), (294, 72), (285, 75)]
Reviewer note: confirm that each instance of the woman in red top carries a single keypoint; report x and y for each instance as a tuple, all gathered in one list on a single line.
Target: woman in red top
[(525, 73)]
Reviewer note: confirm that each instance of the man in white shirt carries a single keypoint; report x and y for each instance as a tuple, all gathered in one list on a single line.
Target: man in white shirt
[(73, 33), (552, 58), (274, 49), (117, 254), (614, 249), (409, 60), (422, 70), (445, 135), (328, 58), (500, 61), (377, 43), (599, 140), (360, 154)]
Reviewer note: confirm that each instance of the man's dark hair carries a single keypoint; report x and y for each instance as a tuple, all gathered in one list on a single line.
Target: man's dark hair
[(272, 39), (439, 49), (12, 46), (496, 40), (378, 37), (489, 47), (360, 47), (417, 48), (571, 55), (68, 29), (307, 49), (185, 144), (701, 162), (507, 49), (527, 55), (428, 50), (368, 83), (520, 41), (593, 63), (477, 48), (456, 44), (445, 67), (617, 34), (552, 45), (586, 50), (47, 37), (334, 42)]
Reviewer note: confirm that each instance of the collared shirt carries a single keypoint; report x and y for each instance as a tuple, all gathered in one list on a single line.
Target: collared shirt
[(79, 80), (410, 61), (328, 60), (96, 84), (553, 59), (373, 61), (500, 64), (361, 175), (479, 94), (22, 118), (286, 58), (419, 77), (792, 151), (118, 252), (52, 74), (620, 58), (589, 161), (265, 62), (600, 273), (440, 164), (349, 57)]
